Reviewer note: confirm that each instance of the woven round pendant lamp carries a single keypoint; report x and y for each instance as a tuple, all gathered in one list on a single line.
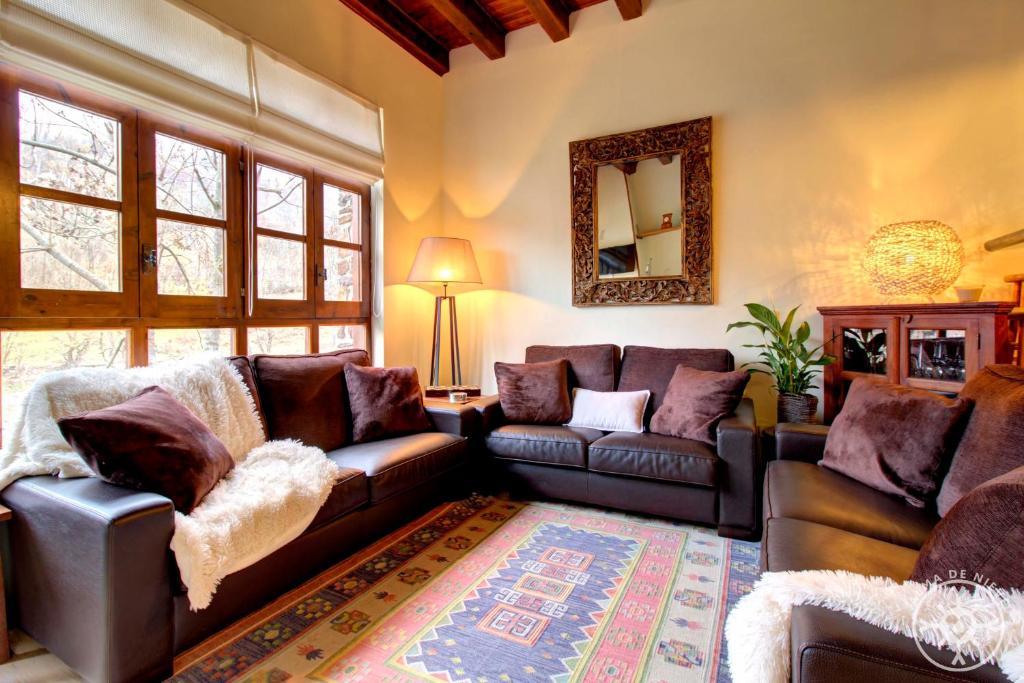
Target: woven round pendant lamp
[(920, 258)]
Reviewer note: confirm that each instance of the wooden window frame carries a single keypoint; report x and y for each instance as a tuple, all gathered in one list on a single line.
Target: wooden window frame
[(281, 308), (138, 307), (154, 304), (18, 301), (342, 309)]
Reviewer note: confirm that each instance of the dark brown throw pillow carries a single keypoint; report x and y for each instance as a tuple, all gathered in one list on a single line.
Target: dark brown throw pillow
[(385, 402), (534, 393), (696, 401), (151, 443), (893, 438), (303, 397), (982, 535), (991, 444)]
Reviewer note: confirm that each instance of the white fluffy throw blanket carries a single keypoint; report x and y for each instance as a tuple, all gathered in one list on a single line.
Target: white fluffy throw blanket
[(267, 500), (758, 627)]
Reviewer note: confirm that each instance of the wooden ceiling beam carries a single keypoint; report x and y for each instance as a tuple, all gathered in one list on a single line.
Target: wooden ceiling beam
[(387, 18), (552, 16), (475, 23), (630, 9)]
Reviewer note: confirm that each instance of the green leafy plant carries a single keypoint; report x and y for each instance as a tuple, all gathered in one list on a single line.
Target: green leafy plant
[(784, 351)]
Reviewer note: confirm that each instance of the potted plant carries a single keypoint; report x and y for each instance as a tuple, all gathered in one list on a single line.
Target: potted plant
[(785, 354)]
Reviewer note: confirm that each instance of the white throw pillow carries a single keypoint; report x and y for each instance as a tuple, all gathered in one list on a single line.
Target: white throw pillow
[(609, 411)]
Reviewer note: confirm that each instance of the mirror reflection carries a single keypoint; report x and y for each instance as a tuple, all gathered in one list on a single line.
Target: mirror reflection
[(638, 206)]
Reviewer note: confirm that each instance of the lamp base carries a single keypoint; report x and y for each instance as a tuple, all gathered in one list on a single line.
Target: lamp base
[(443, 391)]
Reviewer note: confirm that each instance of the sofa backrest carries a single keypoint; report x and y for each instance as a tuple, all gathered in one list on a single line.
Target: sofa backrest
[(304, 396), (244, 367), (648, 367), (592, 366), (991, 442)]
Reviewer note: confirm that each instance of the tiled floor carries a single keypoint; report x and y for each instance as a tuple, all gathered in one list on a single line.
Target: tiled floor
[(32, 664)]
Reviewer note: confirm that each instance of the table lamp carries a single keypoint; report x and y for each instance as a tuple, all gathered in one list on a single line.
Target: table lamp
[(445, 260), (914, 258)]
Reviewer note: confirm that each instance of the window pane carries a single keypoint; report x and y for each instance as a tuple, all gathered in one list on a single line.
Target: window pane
[(278, 340), (68, 246), (335, 337), (27, 355), (341, 215), (280, 200), (282, 268), (189, 178), (190, 259), (67, 148), (165, 345), (342, 283)]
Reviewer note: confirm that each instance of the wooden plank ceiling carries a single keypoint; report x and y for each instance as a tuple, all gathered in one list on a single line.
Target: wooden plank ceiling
[(430, 29)]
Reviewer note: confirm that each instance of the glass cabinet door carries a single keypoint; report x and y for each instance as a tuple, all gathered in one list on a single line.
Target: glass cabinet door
[(937, 354), (865, 350)]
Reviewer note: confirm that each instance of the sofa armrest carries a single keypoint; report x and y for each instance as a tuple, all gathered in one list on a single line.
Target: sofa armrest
[(491, 415), (458, 419), (739, 493), (833, 646), (92, 575), (800, 441)]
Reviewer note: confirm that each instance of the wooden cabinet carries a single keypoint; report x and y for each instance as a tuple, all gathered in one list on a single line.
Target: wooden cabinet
[(930, 346)]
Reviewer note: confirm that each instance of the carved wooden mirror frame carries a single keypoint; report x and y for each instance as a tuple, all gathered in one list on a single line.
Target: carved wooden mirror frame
[(692, 141)]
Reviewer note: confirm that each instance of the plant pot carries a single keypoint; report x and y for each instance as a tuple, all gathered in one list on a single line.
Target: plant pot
[(797, 408)]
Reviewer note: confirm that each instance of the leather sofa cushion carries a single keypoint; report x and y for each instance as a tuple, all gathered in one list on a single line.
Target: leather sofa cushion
[(594, 366), (549, 444), (796, 545), (895, 439), (801, 490), (151, 442), (304, 397), (534, 393), (654, 456), (385, 402), (991, 442), (396, 465), (982, 534), (647, 367), (244, 367), (696, 401), (349, 492)]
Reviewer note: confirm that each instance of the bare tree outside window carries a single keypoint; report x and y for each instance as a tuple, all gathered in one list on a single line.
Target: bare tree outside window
[(66, 245), (27, 355), (278, 340), (179, 344)]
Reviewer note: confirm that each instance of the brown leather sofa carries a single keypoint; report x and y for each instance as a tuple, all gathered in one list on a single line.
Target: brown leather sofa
[(649, 473), (815, 518), (93, 577)]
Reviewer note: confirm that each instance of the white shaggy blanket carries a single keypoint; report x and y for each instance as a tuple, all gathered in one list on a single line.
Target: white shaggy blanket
[(758, 627), (267, 500)]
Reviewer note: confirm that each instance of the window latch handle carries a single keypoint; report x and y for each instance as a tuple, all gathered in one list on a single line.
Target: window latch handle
[(148, 257)]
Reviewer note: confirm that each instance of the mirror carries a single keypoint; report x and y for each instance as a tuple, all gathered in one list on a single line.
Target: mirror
[(639, 207), (641, 216)]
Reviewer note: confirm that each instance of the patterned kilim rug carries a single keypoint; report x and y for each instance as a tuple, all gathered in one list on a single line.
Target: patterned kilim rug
[(487, 590)]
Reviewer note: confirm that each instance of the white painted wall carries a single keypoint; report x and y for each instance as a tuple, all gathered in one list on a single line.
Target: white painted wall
[(831, 118)]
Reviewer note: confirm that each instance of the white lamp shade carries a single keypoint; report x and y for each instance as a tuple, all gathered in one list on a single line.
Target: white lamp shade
[(444, 259)]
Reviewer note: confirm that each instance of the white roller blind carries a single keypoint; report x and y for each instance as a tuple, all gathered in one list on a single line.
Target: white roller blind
[(168, 58)]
